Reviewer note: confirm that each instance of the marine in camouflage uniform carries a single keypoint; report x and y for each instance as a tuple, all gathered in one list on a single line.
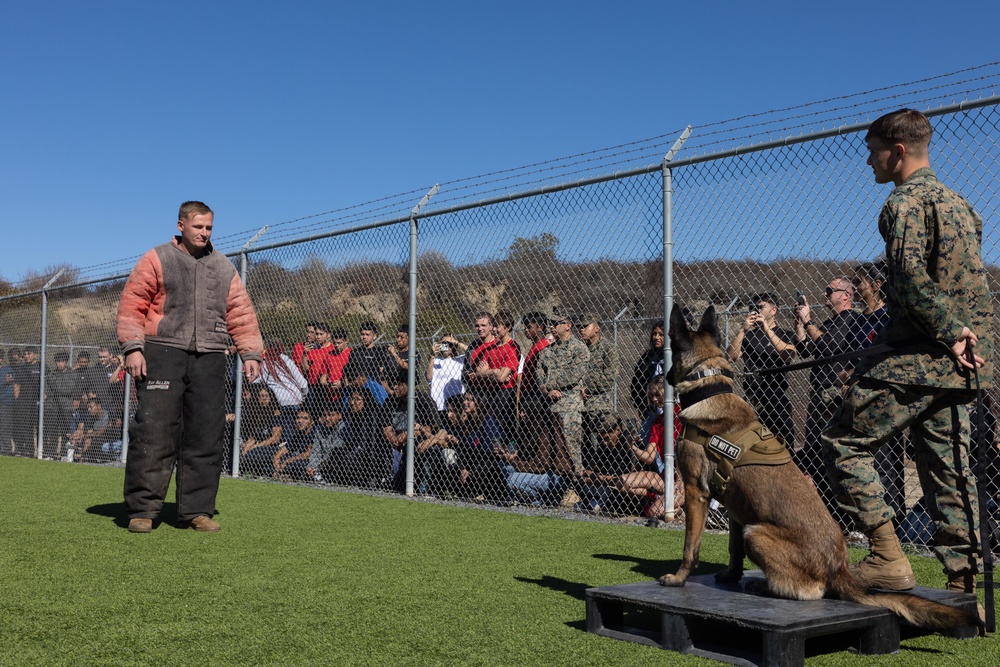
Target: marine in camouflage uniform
[(560, 371), (599, 380), (939, 303)]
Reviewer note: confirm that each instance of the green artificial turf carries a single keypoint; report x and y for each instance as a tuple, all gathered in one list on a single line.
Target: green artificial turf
[(305, 576)]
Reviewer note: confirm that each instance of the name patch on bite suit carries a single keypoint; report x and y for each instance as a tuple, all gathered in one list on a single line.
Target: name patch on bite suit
[(220, 327), (157, 384), (724, 448)]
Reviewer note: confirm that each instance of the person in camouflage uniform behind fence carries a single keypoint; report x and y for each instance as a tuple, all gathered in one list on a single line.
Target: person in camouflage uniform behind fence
[(561, 367), (939, 312), (599, 380)]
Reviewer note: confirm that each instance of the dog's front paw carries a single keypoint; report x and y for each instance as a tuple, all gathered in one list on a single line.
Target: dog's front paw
[(728, 576), (757, 587), (672, 580)]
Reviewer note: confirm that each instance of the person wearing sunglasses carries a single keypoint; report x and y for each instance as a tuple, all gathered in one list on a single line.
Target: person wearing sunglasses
[(830, 337)]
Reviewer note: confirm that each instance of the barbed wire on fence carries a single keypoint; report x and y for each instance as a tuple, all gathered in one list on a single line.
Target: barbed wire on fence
[(742, 130)]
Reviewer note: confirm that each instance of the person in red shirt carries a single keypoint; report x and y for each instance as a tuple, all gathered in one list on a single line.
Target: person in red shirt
[(505, 359), (315, 364), (532, 406), (299, 349), (333, 378), (648, 482)]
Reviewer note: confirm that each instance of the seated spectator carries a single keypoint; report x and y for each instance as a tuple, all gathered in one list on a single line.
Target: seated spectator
[(291, 461), (480, 437), (279, 373), (441, 450), (328, 460), (90, 433), (444, 372), (648, 482), (261, 433), (426, 424), (366, 447), (600, 485), (358, 378), (529, 481)]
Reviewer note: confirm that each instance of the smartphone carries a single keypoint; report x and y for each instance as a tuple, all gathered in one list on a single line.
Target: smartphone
[(800, 297), (754, 309)]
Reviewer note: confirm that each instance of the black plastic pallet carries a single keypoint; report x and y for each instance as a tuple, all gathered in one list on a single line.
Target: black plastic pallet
[(722, 622)]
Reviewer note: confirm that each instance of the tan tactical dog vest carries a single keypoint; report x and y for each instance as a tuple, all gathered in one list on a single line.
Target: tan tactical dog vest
[(754, 445)]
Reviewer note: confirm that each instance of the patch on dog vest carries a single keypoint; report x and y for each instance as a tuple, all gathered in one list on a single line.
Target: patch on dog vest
[(724, 448), (158, 384)]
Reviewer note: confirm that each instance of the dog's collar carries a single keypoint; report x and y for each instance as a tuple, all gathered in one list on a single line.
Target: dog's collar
[(707, 373), (698, 395), (689, 398)]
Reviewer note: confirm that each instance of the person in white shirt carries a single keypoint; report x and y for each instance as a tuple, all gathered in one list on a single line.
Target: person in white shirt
[(444, 371), (281, 375)]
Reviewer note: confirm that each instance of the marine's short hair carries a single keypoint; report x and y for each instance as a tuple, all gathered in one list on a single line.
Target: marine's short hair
[(906, 126)]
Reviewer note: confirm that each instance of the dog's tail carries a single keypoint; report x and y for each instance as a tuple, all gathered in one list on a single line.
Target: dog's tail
[(914, 609)]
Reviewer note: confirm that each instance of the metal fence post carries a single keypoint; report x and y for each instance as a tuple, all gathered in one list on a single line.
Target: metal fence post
[(411, 354), (614, 389), (668, 303), (238, 390), (41, 364)]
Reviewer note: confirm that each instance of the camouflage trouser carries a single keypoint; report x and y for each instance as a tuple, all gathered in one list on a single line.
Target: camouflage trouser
[(571, 425), (875, 412)]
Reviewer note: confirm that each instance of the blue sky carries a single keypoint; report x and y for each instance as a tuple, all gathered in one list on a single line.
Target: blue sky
[(115, 112)]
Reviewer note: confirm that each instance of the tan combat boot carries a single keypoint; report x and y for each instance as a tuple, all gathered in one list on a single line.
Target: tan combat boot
[(886, 566), (965, 582)]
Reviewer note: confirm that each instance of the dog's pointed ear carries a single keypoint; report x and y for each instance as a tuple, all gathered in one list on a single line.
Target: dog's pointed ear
[(680, 335), (710, 324)]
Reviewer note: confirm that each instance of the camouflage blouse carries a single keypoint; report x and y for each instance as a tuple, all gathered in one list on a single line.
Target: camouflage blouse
[(936, 285)]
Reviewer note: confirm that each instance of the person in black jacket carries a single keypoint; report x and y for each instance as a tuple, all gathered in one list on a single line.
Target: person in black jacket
[(828, 381), (650, 365)]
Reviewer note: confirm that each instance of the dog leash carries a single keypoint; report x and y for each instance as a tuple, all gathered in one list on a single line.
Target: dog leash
[(984, 514), (850, 355)]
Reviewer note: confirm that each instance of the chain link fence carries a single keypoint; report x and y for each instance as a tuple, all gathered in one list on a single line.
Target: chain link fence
[(539, 328)]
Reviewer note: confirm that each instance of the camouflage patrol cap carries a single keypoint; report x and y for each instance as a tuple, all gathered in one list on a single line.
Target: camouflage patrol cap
[(581, 320)]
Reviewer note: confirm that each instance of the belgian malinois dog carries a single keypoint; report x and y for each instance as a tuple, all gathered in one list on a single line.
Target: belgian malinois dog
[(776, 516)]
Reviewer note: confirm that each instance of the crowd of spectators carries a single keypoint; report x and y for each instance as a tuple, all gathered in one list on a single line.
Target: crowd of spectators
[(492, 422), (84, 412)]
